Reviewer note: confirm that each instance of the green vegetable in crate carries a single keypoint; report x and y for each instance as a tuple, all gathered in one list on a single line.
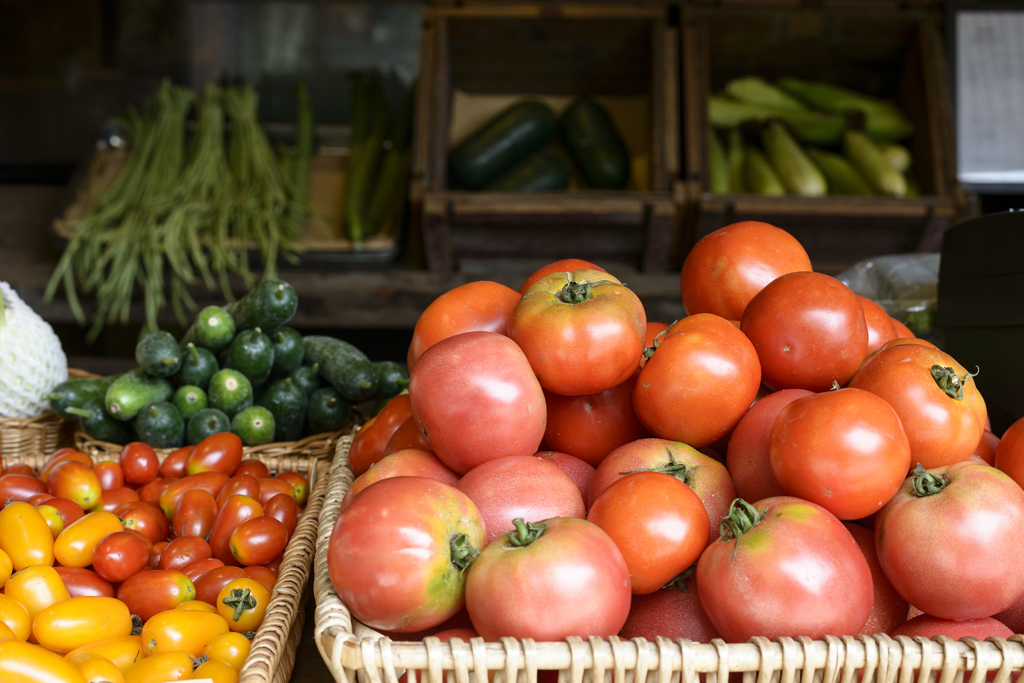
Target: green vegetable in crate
[(287, 401), (540, 171), (392, 379), (198, 365), (98, 424), (254, 425), (868, 159), (595, 144), (206, 422), (230, 392), (390, 187), (897, 155), (288, 352), (812, 127), (761, 177), (252, 354), (756, 90), (161, 425), (32, 363), (157, 353), (344, 366), (189, 399), (736, 159), (842, 177), (798, 173), (307, 378), (268, 306), (515, 133), (882, 120), (369, 126), (213, 329), (328, 411), (132, 391), (74, 393), (718, 166)]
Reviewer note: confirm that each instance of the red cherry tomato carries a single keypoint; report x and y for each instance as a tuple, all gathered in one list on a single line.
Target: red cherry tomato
[(240, 485), (283, 508), (20, 487), (371, 440), (211, 482), (194, 514), (155, 554), (258, 540), (888, 608), (986, 449), (273, 487), (253, 468), (83, 583), (75, 481), (1010, 452), (209, 584), (563, 266), (902, 331), (193, 570), (112, 499), (235, 511), (175, 465), (216, 453), (60, 456), (139, 463), (300, 486), (110, 475), (120, 556), (19, 468), (880, 328), (151, 492), (672, 612), (151, 592), (927, 626), (183, 551), (409, 435), (262, 575), (144, 525)]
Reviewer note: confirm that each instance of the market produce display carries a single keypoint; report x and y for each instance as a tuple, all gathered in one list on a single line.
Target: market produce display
[(515, 150), (141, 570), (806, 138), (237, 369), (32, 361), (779, 463)]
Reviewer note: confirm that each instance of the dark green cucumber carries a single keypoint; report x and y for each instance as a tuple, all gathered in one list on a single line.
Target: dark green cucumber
[(158, 354), (254, 425), (230, 392), (328, 411), (161, 425), (198, 365), (345, 367), (268, 306), (213, 329), (287, 401), (207, 422), (132, 391), (189, 399), (252, 354), (98, 424), (595, 144), (75, 393), (307, 378), (391, 378), (540, 171), (513, 134), (288, 352)]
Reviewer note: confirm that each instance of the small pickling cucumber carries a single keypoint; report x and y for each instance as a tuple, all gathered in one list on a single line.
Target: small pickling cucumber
[(288, 352), (391, 379), (269, 305), (213, 329), (328, 411), (132, 391), (198, 365), (158, 354), (287, 401), (252, 354), (161, 425), (307, 378), (254, 425), (98, 424), (207, 422), (189, 399), (345, 367), (230, 392), (75, 393)]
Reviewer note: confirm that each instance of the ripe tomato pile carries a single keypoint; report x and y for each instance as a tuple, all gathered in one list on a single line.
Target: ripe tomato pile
[(785, 461), (139, 571)]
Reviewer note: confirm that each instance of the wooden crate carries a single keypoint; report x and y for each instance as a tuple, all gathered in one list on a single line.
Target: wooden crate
[(877, 48), (479, 57)]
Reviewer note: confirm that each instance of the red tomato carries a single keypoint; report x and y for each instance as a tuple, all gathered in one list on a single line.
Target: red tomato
[(19, 468), (240, 485), (657, 522), (300, 486), (397, 554), (580, 472), (928, 627), (727, 268), (547, 581), (75, 481), (211, 482), (63, 455), (942, 428), (902, 331), (899, 341), (151, 492), (258, 540), (120, 556), (193, 570), (210, 584), (274, 487), (183, 551), (1010, 452), (809, 331), (653, 330), (672, 612), (220, 452), (880, 327), (253, 468), (110, 475), (112, 499), (520, 486), (986, 449), (563, 266), (784, 567), (592, 426), (284, 509), (582, 331), (175, 465), (369, 444), (706, 476), (473, 307), (747, 458), (409, 435), (949, 541), (888, 608), (476, 399), (154, 591), (155, 554), (844, 450), (20, 487), (83, 583), (139, 463), (262, 575), (700, 381), (144, 525), (195, 512), (1013, 616), (236, 509), (405, 463)]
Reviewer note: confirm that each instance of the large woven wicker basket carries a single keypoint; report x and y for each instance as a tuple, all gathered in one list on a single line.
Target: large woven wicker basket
[(43, 434), (354, 652), (272, 654)]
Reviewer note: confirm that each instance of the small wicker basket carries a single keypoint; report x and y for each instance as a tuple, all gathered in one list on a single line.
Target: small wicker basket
[(354, 652), (43, 434)]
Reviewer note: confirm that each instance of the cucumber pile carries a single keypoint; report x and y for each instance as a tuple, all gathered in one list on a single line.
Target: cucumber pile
[(237, 369)]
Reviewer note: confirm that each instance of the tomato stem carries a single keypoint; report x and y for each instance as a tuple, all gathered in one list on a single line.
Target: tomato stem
[(525, 532), (835, 386), (198, 661), (927, 484), (679, 582), (742, 518), (241, 599), (951, 383), (462, 552), (678, 470), (249, 634), (136, 625), (656, 342)]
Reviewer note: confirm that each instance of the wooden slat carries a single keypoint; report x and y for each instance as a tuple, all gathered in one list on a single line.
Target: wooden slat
[(670, 136), (659, 179), (528, 10)]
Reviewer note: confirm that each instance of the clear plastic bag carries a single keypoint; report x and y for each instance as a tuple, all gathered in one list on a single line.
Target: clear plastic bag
[(905, 285)]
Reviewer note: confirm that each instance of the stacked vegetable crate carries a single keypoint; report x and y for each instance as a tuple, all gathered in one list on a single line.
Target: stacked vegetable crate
[(547, 50), (881, 50)]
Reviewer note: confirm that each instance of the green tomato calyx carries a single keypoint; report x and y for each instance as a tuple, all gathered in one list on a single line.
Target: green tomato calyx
[(525, 532), (462, 552), (926, 483), (679, 582), (742, 518), (951, 384)]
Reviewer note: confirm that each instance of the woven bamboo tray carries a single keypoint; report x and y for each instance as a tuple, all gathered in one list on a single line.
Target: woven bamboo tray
[(354, 652), (43, 434), (272, 654)]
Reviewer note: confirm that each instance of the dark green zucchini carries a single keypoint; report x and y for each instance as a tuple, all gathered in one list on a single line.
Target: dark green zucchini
[(132, 391), (513, 134), (98, 424), (345, 367), (268, 306), (595, 145), (540, 171), (74, 393)]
